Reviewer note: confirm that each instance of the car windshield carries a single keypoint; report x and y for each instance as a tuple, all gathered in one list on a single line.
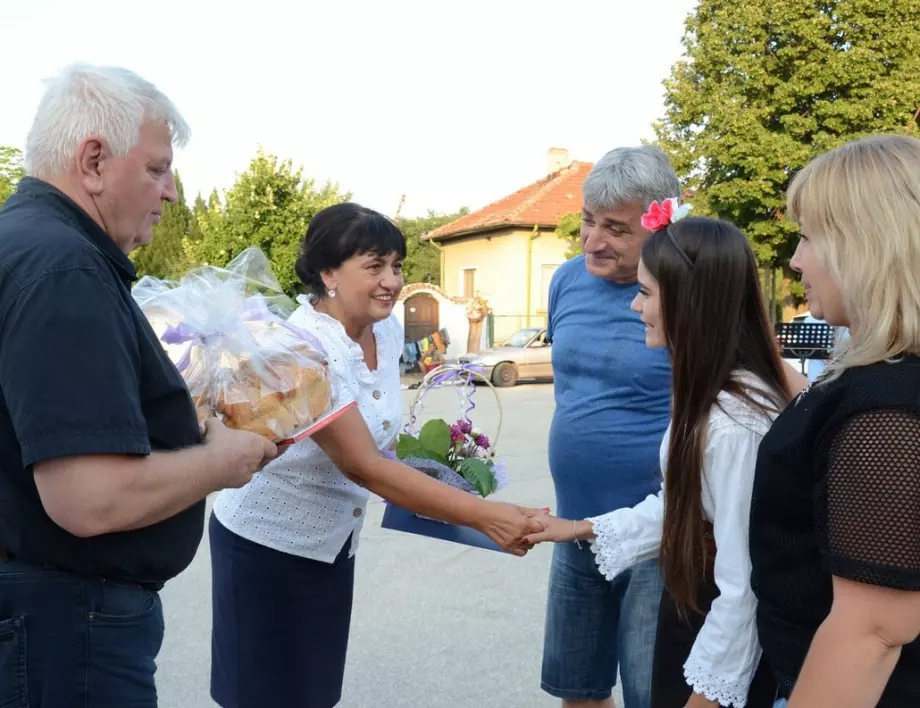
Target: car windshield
[(520, 339)]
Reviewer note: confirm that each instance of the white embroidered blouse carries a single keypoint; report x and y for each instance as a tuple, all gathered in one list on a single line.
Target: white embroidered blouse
[(300, 503), (726, 652)]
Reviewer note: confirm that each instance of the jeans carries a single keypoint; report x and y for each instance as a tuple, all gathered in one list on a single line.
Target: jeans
[(79, 642), (594, 626)]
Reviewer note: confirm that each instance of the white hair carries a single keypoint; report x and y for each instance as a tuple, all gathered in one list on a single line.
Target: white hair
[(107, 102), (630, 174)]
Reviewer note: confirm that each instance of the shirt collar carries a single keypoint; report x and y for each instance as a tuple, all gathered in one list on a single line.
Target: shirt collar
[(88, 228)]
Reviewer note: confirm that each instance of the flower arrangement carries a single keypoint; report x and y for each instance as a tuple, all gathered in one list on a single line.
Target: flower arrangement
[(476, 308), (456, 454)]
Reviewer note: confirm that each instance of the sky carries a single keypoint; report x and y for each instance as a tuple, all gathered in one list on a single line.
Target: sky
[(452, 104)]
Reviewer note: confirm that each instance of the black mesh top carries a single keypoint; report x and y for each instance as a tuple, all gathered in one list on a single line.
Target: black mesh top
[(837, 492)]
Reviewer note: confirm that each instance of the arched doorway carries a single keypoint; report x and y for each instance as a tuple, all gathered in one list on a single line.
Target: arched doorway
[(422, 317)]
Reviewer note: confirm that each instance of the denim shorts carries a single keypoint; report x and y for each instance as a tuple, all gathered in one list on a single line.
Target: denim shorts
[(595, 626)]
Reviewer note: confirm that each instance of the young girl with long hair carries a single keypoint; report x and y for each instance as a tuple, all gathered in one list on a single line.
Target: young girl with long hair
[(700, 298)]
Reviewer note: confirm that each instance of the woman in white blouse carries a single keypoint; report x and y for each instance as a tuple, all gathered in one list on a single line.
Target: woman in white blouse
[(700, 297), (283, 546)]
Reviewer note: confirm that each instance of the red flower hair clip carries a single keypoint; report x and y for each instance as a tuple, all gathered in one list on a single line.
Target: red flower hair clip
[(660, 216)]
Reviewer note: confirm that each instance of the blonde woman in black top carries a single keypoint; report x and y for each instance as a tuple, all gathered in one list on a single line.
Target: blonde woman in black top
[(835, 521)]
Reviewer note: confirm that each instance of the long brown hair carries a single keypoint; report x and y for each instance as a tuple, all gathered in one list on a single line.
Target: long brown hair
[(715, 323)]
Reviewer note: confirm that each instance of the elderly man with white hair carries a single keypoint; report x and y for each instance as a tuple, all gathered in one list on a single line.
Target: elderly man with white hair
[(612, 408), (103, 466)]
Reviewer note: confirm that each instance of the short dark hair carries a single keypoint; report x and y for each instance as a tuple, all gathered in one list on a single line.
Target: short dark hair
[(339, 232)]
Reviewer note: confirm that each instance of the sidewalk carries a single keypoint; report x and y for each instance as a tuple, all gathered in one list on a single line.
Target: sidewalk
[(411, 380)]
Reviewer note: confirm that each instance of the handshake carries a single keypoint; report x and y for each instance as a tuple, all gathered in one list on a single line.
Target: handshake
[(517, 529)]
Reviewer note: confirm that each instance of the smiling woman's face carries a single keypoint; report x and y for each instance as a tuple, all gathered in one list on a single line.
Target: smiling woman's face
[(648, 304), (367, 285)]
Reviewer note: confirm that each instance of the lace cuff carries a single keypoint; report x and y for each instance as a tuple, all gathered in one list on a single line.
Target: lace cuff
[(724, 691), (608, 546)]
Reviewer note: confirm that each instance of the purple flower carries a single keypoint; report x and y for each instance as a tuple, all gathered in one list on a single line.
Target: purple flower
[(464, 426), (481, 441), (456, 435)]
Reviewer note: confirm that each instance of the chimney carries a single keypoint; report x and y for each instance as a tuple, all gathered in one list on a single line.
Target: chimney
[(556, 159)]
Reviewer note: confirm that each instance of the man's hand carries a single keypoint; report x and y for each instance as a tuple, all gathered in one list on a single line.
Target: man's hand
[(507, 525), (245, 453)]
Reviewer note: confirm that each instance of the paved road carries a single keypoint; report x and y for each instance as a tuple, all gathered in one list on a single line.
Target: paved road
[(435, 624)]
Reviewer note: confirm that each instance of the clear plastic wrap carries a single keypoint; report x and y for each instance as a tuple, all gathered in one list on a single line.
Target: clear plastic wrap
[(226, 330)]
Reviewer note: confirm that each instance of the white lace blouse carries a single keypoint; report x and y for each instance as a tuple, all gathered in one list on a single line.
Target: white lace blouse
[(301, 503), (726, 652)]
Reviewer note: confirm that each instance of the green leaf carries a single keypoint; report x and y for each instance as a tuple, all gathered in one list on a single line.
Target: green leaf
[(435, 437), (407, 446), (477, 473)]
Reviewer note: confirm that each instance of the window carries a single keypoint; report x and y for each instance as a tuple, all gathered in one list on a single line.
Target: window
[(546, 277), (469, 282)]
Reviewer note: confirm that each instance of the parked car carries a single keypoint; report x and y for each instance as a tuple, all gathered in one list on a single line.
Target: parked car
[(525, 355)]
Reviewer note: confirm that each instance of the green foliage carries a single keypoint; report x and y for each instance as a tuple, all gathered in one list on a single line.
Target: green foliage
[(11, 171), (423, 258), (766, 87), (269, 208), (435, 436), (198, 212), (164, 256), (569, 229), (434, 442), (478, 473)]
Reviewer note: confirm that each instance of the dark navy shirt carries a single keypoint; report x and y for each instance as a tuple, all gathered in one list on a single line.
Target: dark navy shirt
[(81, 373), (612, 396)]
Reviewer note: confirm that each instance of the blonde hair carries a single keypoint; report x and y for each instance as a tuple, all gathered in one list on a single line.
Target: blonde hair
[(860, 206)]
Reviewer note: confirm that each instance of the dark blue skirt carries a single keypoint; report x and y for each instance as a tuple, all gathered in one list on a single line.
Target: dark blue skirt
[(279, 624)]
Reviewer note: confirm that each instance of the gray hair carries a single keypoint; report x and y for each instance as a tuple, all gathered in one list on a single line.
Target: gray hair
[(630, 174), (107, 102)]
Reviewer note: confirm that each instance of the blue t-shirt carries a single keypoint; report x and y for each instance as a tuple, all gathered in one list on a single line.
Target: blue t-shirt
[(613, 396)]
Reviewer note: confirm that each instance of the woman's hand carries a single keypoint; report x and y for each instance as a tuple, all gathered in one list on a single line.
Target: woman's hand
[(558, 530), (507, 525)]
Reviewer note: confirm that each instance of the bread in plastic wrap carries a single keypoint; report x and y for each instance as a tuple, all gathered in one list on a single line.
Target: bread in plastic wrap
[(226, 330)]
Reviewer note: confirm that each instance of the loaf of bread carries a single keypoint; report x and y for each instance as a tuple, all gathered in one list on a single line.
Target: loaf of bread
[(276, 387), (227, 331), (274, 396)]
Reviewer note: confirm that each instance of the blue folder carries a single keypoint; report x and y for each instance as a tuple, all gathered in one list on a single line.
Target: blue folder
[(398, 519)]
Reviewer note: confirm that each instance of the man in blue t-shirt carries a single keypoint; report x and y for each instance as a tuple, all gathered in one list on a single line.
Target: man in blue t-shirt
[(612, 407)]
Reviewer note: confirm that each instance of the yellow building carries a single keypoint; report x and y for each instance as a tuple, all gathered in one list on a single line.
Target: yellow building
[(507, 252)]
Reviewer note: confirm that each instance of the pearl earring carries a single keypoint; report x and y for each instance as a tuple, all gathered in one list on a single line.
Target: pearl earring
[(332, 293)]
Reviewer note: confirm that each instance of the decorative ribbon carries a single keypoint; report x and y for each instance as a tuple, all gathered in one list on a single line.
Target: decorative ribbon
[(455, 372), (256, 311)]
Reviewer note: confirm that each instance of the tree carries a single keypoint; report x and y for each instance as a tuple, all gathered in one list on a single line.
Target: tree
[(767, 86), (423, 257), (269, 207), (198, 212), (569, 229), (164, 256), (11, 171)]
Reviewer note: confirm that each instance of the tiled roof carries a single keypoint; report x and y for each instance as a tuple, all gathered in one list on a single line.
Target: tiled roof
[(542, 203)]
